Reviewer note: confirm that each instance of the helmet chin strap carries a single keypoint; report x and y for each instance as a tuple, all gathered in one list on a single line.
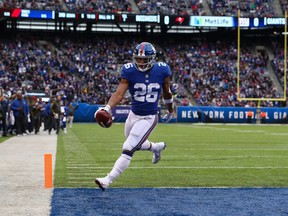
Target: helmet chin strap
[(141, 69), (147, 67)]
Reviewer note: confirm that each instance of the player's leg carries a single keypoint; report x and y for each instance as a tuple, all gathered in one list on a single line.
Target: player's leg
[(139, 130), (156, 148), (131, 119)]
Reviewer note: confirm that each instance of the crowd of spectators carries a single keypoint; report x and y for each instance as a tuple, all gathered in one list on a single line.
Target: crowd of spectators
[(181, 7), (277, 62), (25, 65), (104, 6), (28, 4), (209, 71), (178, 7), (89, 71), (96, 64), (250, 8), (284, 5)]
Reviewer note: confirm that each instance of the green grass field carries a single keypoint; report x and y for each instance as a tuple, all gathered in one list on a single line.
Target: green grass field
[(196, 156)]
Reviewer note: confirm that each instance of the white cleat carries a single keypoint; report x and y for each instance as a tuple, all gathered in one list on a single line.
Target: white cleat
[(157, 155), (103, 183)]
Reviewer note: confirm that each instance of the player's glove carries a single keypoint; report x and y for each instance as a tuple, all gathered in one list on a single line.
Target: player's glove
[(107, 108), (167, 117)]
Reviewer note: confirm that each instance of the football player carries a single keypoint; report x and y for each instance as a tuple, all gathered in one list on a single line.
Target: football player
[(145, 79)]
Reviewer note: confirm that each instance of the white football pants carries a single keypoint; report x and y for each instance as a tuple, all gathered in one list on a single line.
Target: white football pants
[(137, 130)]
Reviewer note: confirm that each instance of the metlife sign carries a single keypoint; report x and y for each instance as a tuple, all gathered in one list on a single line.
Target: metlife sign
[(211, 21), (254, 22)]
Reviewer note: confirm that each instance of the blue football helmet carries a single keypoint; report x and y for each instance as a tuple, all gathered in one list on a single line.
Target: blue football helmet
[(144, 56)]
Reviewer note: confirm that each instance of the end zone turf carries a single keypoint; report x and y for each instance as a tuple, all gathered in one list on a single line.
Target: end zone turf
[(170, 201)]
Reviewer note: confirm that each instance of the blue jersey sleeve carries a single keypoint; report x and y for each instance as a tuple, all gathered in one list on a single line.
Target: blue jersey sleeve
[(166, 69), (127, 71)]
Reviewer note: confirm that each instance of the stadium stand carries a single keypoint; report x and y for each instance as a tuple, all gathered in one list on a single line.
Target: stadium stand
[(284, 5), (179, 7), (104, 6), (277, 62), (28, 4), (89, 70), (251, 8)]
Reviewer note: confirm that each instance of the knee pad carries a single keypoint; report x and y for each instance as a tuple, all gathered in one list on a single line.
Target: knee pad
[(127, 153)]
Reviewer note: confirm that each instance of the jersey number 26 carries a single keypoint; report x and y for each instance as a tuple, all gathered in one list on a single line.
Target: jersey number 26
[(146, 93)]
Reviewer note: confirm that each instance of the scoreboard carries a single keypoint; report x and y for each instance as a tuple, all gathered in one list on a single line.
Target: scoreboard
[(157, 19)]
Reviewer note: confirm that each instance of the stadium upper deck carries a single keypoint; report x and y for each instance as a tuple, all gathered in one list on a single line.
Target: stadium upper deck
[(251, 8)]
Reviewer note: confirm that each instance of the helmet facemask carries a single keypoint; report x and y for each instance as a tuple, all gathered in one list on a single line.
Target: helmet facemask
[(143, 63), (144, 56)]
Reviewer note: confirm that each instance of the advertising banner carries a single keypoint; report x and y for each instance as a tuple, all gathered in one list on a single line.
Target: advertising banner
[(231, 115), (196, 114)]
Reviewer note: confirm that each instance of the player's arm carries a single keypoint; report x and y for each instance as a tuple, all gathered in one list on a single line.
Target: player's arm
[(117, 96), (167, 95)]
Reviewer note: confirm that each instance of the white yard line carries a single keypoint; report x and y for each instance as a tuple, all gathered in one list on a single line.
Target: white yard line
[(191, 167)]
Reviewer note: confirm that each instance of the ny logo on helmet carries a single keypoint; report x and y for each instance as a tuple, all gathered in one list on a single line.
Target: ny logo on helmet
[(141, 52)]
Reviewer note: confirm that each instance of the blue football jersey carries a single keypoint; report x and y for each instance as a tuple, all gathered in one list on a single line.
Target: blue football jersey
[(145, 87)]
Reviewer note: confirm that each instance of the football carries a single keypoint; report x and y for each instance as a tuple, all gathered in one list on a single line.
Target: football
[(104, 119)]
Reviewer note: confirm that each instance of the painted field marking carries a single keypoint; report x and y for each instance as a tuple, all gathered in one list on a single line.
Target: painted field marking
[(190, 167), (81, 164), (81, 182), (79, 177), (232, 149), (86, 174), (75, 166), (77, 173)]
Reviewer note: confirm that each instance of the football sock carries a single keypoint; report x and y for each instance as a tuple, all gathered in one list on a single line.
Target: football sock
[(147, 145), (120, 166)]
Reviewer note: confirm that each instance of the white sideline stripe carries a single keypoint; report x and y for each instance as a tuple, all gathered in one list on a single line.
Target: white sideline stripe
[(190, 167)]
